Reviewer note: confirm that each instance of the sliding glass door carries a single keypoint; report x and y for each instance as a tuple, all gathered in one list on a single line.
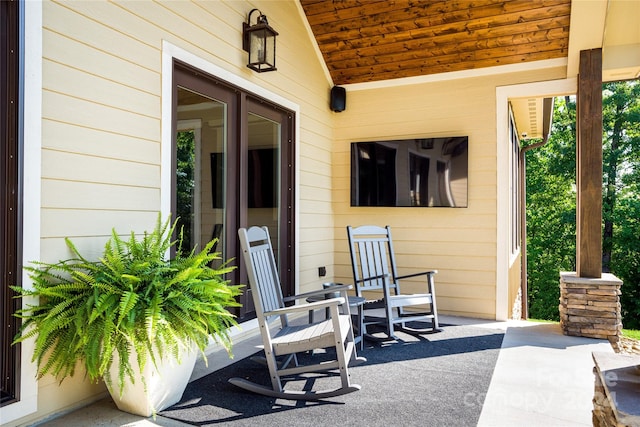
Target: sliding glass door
[(228, 157)]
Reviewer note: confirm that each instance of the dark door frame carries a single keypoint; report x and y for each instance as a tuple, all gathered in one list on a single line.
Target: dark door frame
[(242, 101), (10, 198)]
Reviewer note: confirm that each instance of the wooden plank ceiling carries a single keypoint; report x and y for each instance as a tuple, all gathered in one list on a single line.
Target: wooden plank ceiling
[(369, 40)]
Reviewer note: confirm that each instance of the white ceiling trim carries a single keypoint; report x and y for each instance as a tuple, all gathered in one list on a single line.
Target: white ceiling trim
[(454, 75)]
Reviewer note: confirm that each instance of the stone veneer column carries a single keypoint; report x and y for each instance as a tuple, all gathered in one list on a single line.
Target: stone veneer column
[(590, 307)]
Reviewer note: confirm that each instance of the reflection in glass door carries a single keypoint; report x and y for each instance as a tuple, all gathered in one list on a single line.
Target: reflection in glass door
[(263, 170), (200, 177)]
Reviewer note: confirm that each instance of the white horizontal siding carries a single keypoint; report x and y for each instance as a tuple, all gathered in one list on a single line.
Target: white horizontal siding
[(97, 196), (85, 23), (70, 137), (91, 169), (82, 112), (98, 224), (77, 54), (61, 78)]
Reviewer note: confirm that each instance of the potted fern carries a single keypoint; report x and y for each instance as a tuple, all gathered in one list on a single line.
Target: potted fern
[(126, 314)]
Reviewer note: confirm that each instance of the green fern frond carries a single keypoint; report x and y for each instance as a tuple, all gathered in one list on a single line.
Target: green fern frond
[(105, 306), (128, 301), (153, 314), (105, 288)]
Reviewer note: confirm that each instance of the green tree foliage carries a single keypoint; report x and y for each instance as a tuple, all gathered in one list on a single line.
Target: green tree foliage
[(551, 175), (621, 186), (551, 208)]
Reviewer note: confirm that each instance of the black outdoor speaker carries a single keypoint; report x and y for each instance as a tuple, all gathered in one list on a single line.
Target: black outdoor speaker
[(338, 99)]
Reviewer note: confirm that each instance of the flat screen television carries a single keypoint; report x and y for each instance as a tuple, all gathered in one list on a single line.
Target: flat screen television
[(420, 172)]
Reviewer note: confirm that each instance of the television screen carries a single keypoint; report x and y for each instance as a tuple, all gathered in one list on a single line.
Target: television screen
[(422, 172)]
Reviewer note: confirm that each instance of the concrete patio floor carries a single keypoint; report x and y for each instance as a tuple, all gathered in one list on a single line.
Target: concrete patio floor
[(541, 378)]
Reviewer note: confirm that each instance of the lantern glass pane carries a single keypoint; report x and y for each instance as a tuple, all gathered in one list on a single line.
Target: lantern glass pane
[(270, 49), (257, 52)]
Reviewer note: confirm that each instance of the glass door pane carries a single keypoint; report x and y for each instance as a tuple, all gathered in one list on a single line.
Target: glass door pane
[(263, 163), (200, 169)]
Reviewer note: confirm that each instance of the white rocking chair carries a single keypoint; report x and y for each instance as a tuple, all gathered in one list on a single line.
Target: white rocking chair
[(375, 274), (336, 331)]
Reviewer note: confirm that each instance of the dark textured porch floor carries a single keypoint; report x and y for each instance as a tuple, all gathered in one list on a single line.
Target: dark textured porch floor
[(541, 378)]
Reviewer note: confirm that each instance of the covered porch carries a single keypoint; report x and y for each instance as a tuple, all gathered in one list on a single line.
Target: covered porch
[(125, 132), (540, 378)]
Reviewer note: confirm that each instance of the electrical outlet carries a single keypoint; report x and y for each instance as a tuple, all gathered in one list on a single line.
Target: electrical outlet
[(322, 271)]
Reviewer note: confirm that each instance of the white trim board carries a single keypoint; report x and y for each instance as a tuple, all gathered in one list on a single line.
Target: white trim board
[(465, 74)]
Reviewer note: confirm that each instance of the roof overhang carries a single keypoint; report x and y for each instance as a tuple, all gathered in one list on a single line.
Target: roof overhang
[(611, 25)]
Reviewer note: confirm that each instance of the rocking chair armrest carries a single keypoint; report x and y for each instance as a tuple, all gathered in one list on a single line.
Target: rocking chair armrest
[(417, 274), (306, 307), (325, 291)]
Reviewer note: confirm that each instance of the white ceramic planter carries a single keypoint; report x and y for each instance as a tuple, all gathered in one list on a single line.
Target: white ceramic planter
[(165, 385)]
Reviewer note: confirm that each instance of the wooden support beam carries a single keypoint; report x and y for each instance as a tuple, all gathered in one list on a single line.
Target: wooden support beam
[(589, 165)]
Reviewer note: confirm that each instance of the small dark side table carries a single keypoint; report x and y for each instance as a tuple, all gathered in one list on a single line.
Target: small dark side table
[(355, 308)]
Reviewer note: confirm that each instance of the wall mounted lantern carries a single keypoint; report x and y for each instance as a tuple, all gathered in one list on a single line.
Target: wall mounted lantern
[(260, 41)]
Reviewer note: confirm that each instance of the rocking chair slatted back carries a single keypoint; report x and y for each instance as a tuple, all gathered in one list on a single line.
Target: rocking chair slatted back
[(374, 250), (264, 272)]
